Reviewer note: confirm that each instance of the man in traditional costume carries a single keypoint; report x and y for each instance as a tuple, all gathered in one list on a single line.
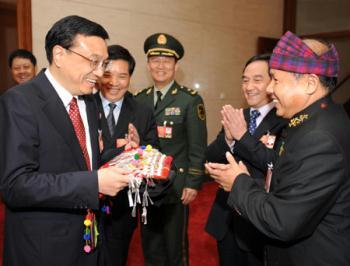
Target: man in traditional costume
[(306, 213)]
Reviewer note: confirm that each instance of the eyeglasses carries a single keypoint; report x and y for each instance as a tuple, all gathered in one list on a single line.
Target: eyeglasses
[(94, 63)]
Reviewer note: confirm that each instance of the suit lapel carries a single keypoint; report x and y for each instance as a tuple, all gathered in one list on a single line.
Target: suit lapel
[(102, 119), (267, 124), (92, 116), (167, 100), (246, 113), (126, 116), (58, 116)]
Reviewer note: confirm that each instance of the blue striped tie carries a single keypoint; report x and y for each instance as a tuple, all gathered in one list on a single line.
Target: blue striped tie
[(252, 122)]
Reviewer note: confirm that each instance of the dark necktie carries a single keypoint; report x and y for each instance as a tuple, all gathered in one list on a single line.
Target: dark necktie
[(79, 129), (159, 99), (110, 118), (252, 122)]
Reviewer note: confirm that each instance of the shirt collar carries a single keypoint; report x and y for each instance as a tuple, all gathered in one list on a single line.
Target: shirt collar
[(63, 93), (164, 90), (264, 110), (106, 102)]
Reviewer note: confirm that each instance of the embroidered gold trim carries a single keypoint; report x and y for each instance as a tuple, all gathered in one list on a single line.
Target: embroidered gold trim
[(298, 120), (157, 51), (195, 172), (281, 151)]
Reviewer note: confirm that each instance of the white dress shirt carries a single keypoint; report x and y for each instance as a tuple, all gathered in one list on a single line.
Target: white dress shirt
[(164, 91), (116, 111), (66, 98), (263, 110)]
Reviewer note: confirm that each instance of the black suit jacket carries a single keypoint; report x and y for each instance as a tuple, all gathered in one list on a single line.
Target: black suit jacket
[(140, 115), (221, 215), (44, 179), (120, 222), (307, 212)]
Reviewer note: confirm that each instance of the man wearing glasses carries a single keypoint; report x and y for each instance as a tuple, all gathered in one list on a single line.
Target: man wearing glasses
[(50, 152)]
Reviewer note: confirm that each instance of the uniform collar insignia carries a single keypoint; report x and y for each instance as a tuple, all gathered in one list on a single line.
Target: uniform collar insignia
[(281, 151), (296, 121)]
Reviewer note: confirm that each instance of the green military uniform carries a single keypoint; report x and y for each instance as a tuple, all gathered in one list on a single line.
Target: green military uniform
[(181, 112), (182, 132)]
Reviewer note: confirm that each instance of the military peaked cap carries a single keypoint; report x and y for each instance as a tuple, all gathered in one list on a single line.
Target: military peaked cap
[(162, 44)]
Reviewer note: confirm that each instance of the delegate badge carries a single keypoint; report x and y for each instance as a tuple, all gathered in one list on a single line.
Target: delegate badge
[(268, 140), (165, 131)]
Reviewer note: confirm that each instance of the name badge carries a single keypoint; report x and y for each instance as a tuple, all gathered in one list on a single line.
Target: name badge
[(268, 140), (165, 131)]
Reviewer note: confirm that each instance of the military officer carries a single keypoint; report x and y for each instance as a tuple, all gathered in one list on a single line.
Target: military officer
[(306, 213), (181, 126)]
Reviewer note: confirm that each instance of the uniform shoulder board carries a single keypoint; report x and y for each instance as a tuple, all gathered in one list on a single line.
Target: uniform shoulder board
[(188, 90), (142, 91)]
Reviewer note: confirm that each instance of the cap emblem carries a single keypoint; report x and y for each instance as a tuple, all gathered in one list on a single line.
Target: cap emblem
[(161, 39)]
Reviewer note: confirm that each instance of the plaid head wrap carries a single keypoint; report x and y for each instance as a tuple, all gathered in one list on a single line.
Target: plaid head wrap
[(293, 55)]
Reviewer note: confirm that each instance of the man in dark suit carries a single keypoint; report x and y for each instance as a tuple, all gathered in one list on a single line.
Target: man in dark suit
[(50, 152), (238, 241), (123, 119), (306, 214), (181, 125)]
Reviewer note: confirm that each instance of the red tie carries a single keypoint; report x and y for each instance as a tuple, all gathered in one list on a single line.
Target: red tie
[(79, 129)]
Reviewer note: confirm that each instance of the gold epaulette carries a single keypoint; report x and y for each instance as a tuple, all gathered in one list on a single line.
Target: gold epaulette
[(147, 90), (188, 90)]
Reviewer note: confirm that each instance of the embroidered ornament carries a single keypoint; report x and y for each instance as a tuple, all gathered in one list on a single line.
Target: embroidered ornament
[(146, 165), (90, 232)]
